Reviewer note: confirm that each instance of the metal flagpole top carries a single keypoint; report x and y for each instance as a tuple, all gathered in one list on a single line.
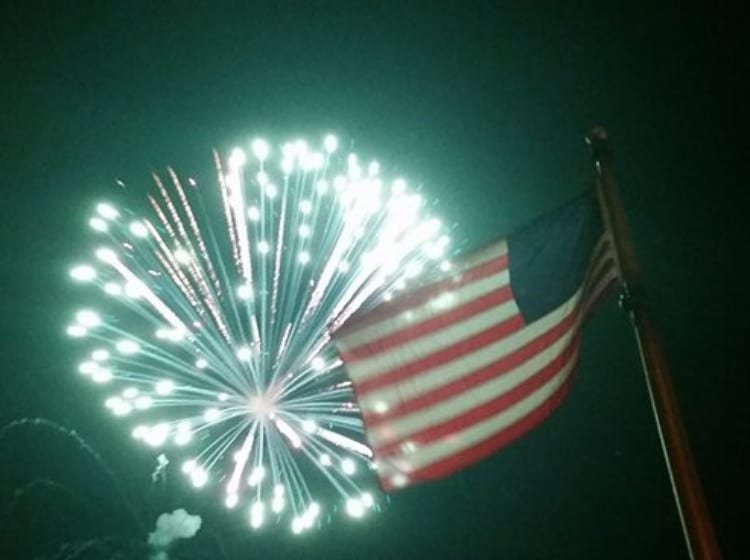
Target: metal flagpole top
[(598, 141), (597, 132)]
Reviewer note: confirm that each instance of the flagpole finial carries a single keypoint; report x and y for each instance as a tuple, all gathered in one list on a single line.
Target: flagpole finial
[(598, 141), (597, 132)]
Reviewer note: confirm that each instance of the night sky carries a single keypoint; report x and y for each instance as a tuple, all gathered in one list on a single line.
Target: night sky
[(487, 108)]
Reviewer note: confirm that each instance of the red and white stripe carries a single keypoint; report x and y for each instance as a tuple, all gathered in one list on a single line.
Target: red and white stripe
[(450, 372)]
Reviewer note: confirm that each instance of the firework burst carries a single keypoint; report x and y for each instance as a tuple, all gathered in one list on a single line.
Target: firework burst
[(213, 326)]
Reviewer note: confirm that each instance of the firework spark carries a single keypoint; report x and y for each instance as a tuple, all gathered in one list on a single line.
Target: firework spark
[(216, 312)]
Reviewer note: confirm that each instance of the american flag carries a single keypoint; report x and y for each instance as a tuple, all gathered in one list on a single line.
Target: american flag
[(452, 370)]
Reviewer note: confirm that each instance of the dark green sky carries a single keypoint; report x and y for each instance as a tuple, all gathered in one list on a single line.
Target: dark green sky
[(485, 106)]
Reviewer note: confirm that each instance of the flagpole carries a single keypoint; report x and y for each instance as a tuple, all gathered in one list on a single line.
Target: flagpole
[(691, 506)]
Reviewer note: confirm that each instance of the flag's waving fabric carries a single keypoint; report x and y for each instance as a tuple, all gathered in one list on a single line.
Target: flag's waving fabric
[(461, 366)]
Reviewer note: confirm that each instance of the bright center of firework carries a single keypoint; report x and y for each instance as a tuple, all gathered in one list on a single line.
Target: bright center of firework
[(221, 343), (262, 406)]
